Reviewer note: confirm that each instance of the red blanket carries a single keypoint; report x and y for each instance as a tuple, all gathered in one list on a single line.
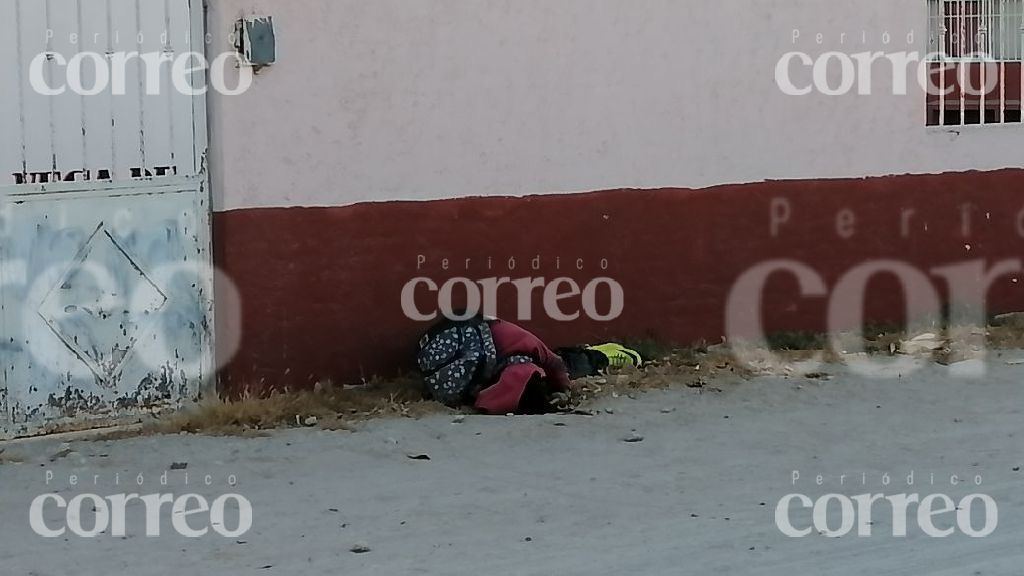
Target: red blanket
[(504, 396)]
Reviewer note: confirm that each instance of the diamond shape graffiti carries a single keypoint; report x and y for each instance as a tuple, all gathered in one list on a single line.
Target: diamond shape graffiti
[(102, 306)]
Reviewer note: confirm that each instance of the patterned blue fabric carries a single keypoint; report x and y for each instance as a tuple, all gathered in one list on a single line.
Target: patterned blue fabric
[(455, 359)]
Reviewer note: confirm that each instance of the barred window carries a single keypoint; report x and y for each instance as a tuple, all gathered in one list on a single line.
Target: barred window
[(976, 48)]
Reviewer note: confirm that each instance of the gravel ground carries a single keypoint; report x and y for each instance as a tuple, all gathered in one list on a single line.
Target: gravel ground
[(683, 481)]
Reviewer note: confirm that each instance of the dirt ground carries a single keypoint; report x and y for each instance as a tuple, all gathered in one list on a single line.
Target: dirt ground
[(677, 481)]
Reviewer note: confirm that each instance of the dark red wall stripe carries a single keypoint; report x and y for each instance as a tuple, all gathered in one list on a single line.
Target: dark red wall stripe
[(321, 286)]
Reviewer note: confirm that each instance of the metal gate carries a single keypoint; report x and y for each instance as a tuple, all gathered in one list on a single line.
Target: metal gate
[(105, 281)]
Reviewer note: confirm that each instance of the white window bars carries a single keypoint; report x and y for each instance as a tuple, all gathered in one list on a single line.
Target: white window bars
[(977, 47)]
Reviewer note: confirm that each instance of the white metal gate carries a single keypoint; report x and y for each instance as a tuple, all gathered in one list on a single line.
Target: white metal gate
[(105, 281)]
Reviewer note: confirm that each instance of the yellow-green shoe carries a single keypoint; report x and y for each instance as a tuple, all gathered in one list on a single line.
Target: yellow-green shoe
[(619, 356)]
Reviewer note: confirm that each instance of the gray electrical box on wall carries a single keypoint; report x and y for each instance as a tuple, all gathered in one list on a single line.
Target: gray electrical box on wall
[(256, 41)]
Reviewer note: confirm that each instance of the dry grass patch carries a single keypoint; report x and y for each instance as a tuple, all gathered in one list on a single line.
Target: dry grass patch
[(1007, 332), (327, 407), (704, 368), (700, 368)]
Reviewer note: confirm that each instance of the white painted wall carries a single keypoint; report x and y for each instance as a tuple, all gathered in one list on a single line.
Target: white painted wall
[(399, 99)]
